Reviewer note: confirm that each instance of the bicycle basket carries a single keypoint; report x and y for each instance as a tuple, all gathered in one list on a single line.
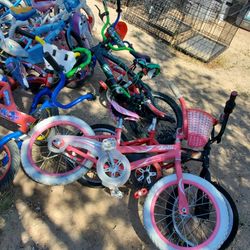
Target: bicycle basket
[(200, 125)]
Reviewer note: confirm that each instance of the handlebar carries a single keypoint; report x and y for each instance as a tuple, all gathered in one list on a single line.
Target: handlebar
[(230, 104), (119, 11), (52, 62), (111, 30), (59, 70), (57, 90), (229, 107), (155, 110), (83, 52), (25, 33)]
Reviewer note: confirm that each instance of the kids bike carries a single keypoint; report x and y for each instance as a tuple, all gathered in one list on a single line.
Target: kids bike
[(44, 104), (178, 207)]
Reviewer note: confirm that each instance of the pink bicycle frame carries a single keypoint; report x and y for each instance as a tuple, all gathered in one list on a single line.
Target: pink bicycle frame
[(165, 153)]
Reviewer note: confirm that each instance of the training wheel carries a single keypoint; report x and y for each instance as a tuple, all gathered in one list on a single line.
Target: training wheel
[(113, 169)]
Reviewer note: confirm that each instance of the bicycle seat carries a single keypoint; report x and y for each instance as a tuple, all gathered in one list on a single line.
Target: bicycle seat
[(22, 13), (126, 113), (42, 5), (138, 55)]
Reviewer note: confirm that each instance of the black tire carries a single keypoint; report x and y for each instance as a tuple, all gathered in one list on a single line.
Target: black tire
[(235, 212), (96, 182), (7, 173), (77, 39), (166, 127), (77, 81)]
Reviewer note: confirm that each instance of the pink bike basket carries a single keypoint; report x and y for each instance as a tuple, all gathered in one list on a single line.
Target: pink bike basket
[(200, 125)]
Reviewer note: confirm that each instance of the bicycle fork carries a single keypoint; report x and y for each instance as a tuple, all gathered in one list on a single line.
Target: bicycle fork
[(183, 202)]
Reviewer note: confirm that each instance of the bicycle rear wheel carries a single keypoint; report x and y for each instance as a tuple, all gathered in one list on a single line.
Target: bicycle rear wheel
[(199, 229), (50, 168)]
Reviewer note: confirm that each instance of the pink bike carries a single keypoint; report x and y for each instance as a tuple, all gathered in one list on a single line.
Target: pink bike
[(181, 210)]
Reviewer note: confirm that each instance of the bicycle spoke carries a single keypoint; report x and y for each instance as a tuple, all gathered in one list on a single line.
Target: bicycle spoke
[(165, 217)]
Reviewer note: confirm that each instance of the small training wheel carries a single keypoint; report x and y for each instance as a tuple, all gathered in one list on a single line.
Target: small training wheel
[(113, 169)]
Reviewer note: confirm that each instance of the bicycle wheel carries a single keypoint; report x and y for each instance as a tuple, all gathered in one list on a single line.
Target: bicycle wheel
[(166, 127), (231, 208), (199, 229), (73, 40), (50, 168), (9, 163), (91, 178), (233, 216)]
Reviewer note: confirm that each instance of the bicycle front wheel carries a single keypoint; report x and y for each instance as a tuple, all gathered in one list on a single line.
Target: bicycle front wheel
[(50, 168), (205, 227), (166, 127)]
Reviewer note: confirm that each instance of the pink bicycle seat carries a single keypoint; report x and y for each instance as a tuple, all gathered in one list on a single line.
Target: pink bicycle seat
[(43, 6), (124, 111)]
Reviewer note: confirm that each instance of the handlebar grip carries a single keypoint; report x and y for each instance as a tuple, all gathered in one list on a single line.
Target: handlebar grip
[(25, 33), (52, 62), (119, 10), (230, 104)]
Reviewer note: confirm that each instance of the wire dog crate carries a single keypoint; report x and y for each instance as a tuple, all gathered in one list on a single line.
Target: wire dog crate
[(200, 28)]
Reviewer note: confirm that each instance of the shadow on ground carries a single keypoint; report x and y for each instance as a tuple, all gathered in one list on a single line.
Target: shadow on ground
[(76, 217)]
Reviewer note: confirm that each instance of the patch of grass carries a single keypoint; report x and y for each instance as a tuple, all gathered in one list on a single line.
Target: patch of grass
[(6, 199)]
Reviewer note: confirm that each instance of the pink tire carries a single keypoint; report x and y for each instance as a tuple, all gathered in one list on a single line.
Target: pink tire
[(49, 168), (205, 227)]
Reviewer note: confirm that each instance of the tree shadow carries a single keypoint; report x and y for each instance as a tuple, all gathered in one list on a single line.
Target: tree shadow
[(73, 217)]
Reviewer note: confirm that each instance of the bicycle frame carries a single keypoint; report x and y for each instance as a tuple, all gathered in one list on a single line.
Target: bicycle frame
[(108, 63), (9, 110), (94, 146)]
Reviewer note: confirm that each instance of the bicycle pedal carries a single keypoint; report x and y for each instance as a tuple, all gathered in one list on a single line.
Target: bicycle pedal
[(140, 193)]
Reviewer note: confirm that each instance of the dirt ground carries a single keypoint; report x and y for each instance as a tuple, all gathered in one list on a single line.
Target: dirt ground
[(77, 217)]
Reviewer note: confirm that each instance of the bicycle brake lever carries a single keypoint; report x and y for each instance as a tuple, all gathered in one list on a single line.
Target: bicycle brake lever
[(100, 14)]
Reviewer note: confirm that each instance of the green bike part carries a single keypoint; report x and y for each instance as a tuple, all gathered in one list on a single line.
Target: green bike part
[(107, 23), (150, 66), (119, 48), (82, 65), (124, 91), (157, 68)]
